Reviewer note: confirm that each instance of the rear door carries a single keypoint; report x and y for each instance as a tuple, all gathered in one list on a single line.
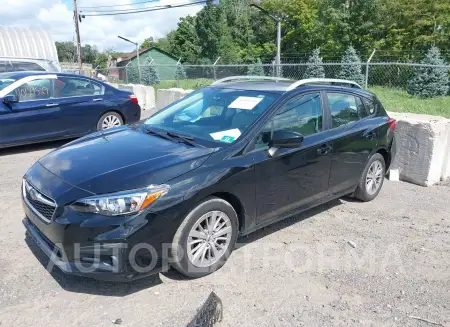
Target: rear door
[(354, 139), (34, 117), (82, 102)]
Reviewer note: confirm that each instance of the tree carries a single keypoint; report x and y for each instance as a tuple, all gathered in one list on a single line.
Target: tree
[(256, 69), (180, 73), (148, 43), (149, 75), (430, 81), (184, 42), (67, 51), (132, 74), (315, 68), (351, 67)]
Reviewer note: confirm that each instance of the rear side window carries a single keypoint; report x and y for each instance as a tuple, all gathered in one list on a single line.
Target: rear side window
[(66, 87), (344, 108), (371, 107)]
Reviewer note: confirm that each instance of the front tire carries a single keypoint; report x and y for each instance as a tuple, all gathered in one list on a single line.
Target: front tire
[(109, 120), (205, 238), (372, 179)]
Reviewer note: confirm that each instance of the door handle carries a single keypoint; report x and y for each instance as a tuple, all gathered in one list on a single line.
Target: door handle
[(371, 135), (97, 99), (51, 104), (324, 149)]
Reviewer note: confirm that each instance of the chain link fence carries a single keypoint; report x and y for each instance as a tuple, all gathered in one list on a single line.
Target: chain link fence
[(386, 74)]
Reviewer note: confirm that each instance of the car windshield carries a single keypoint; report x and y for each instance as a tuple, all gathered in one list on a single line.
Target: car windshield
[(214, 114)]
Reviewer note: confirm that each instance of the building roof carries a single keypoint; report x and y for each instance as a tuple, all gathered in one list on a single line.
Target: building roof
[(31, 43), (133, 54)]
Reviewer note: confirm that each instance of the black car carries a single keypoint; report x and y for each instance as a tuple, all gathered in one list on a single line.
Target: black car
[(41, 106), (222, 162)]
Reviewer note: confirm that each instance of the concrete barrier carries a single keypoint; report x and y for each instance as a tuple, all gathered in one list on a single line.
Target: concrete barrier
[(423, 148), (166, 97), (145, 94)]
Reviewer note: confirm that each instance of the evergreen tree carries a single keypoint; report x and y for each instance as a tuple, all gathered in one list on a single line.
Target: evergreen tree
[(351, 67), (149, 75), (430, 81), (314, 68), (180, 73), (256, 69), (132, 74)]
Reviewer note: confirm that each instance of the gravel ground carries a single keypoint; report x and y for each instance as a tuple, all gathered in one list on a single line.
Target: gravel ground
[(342, 264)]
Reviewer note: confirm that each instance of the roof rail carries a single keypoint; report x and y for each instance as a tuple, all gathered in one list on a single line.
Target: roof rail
[(323, 80), (261, 78)]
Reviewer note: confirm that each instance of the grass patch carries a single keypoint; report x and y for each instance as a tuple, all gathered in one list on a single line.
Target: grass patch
[(187, 84), (400, 101)]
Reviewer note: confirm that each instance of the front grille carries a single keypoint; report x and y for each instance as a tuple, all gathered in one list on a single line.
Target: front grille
[(41, 204)]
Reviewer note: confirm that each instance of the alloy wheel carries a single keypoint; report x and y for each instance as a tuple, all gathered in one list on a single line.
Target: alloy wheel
[(374, 177), (209, 239), (110, 121)]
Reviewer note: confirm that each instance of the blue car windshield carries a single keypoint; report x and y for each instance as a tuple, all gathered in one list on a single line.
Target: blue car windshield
[(214, 114), (5, 81)]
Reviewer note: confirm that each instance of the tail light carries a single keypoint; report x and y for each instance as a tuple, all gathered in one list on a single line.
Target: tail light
[(392, 124), (133, 98)]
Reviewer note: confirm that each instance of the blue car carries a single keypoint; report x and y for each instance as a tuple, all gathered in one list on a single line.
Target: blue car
[(41, 106)]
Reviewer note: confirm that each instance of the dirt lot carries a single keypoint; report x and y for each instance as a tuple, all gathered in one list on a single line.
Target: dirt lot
[(343, 264)]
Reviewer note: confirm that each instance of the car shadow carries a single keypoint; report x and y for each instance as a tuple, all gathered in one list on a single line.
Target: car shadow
[(78, 284), (275, 227), (33, 147)]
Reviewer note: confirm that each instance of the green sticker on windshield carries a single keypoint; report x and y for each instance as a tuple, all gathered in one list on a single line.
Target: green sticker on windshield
[(227, 139)]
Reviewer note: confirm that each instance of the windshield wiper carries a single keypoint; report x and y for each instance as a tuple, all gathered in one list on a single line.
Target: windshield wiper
[(185, 138), (174, 137)]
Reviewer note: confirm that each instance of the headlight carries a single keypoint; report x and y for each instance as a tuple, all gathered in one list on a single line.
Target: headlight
[(121, 203)]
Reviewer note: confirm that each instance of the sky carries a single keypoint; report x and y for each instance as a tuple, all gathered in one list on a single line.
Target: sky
[(102, 31)]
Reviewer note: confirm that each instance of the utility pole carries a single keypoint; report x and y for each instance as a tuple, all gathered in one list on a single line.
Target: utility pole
[(278, 21), (77, 30)]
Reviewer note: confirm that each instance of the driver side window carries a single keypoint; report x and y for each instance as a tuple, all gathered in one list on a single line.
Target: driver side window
[(302, 114), (39, 89)]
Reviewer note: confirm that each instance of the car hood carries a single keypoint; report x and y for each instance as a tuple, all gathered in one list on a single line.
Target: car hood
[(122, 159)]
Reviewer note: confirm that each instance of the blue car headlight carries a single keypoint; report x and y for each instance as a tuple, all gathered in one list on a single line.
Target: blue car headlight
[(121, 203)]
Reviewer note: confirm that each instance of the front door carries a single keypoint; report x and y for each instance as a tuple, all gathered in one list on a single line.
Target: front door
[(292, 178), (34, 117)]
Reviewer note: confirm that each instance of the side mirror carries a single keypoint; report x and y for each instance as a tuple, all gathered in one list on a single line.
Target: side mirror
[(10, 98), (286, 139)]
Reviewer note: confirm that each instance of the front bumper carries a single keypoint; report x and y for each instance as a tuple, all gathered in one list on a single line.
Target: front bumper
[(98, 270)]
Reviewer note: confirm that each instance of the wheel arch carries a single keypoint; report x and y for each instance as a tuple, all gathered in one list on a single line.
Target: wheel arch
[(236, 204)]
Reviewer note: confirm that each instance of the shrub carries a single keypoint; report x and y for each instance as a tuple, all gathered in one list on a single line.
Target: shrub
[(351, 67), (315, 68), (430, 82)]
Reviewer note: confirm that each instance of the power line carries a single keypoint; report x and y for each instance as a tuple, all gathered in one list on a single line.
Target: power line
[(132, 11), (122, 10), (130, 4)]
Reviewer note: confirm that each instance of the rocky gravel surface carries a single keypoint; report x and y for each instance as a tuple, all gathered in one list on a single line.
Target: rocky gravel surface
[(346, 263)]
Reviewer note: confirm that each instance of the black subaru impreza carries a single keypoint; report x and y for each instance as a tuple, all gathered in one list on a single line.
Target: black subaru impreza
[(178, 189)]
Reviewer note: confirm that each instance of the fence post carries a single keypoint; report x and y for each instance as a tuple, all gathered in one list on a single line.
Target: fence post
[(176, 75), (367, 67), (214, 68)]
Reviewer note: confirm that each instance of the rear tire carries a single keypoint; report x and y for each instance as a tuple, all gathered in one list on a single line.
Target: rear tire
[(372, 179), (109, 120), (192, 252)]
